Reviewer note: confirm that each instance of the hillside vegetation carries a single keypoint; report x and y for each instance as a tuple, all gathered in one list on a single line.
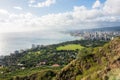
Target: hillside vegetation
[(74, 59), (100, 63)]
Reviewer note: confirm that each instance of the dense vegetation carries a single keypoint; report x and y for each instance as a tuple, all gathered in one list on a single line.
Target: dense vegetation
[(44, 71), (60, 54), (37, 63), (100, 63)]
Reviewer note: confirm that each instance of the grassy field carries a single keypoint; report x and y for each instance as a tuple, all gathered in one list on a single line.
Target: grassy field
[(70, 47)]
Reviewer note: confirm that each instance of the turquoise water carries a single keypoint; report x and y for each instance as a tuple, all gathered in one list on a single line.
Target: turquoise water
[(10, 42)]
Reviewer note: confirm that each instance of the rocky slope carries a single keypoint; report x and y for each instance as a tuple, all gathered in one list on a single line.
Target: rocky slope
[(101, 63)]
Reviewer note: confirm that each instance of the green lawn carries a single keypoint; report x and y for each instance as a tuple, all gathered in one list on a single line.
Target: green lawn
[(70, 47)]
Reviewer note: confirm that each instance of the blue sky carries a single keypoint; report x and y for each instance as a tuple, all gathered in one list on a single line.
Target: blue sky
[(31, 15), (59, 7)]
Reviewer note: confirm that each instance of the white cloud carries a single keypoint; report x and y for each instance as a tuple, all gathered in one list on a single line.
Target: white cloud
[(17, 7), (32, 1), (46, 3), (2, 11), (112, 7), (3, 14), (97, 4), (84, 14), (80, 17)]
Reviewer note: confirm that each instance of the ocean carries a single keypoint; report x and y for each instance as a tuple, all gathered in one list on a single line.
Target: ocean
[(9, 42)]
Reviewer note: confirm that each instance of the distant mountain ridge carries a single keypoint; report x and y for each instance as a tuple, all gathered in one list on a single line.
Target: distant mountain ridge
[(115, 28)]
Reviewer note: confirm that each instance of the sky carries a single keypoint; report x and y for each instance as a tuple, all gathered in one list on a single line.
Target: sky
[(59, 15)]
